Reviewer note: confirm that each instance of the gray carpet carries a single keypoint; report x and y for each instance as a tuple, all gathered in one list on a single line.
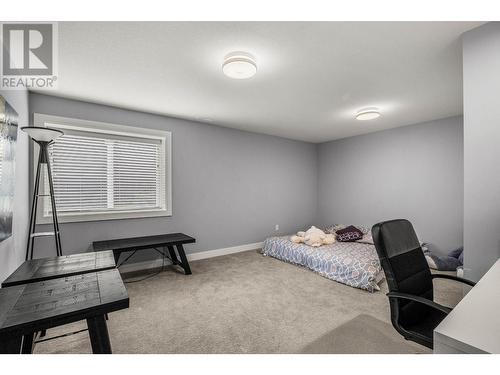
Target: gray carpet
[(249, 303)]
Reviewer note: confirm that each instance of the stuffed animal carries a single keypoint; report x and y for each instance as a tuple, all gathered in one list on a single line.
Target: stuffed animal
[(313, 237)]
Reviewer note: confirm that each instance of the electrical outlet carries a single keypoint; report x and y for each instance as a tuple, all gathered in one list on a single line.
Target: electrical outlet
[(276, 227)]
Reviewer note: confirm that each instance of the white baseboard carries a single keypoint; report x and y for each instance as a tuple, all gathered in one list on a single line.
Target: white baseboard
[(155, 263), (224, 251)]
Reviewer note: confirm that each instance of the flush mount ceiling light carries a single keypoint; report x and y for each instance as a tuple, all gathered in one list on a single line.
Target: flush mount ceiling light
[(239, 65), (368, 114)]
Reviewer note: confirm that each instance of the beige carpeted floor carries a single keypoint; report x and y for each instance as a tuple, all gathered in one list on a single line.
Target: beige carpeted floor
[(249, 303)]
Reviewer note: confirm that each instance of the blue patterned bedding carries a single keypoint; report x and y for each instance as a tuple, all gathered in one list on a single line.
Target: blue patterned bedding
[(351, 263)]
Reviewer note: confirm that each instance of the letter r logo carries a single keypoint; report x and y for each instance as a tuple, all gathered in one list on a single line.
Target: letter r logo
[(27, 49)]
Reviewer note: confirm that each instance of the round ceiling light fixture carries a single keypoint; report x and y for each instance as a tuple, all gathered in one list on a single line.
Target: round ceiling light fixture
[(239, 65), (368, 114)]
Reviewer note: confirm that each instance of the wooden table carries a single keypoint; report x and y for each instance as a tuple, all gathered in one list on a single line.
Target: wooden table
[(51, 268), (29, 308), (150, 242)]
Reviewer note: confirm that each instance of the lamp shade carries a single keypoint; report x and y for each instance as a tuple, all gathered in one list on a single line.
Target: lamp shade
[(42, 134)]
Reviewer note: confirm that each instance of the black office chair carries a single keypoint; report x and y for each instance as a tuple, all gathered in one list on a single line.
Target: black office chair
[(414, 314)]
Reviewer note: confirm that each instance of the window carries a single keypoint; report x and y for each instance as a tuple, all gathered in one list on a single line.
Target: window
[(104, 171)]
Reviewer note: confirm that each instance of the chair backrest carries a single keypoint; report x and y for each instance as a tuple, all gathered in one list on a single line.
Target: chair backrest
[(405, 268)]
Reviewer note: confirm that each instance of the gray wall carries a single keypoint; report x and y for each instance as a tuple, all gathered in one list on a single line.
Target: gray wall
[(229, 187), (13, 249), (413, 172), (481, 67)]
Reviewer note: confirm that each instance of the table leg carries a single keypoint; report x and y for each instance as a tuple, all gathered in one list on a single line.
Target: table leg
[(27, 347), (116, 255), (10, 344), (185, 264), (99, 337)]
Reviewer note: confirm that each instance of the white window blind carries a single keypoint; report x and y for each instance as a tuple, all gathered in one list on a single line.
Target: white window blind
[(99, 172)]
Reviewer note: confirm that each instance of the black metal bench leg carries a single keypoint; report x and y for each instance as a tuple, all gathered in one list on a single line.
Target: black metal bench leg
[(27, 347), (173, 255), (99, 337), (182, 255)]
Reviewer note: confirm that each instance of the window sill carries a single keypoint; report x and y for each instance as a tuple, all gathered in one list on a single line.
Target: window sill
[(119, 215)]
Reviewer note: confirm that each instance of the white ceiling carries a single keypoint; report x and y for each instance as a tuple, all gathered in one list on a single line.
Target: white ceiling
[(311, 79)]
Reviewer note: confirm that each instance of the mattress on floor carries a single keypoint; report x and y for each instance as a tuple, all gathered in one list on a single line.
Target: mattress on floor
[(351, 263)]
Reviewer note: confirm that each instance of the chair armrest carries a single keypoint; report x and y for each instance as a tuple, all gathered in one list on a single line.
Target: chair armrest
[(418, 299), (460, 279)]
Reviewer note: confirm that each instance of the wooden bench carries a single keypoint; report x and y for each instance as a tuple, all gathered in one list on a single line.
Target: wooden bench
[(155, 242)]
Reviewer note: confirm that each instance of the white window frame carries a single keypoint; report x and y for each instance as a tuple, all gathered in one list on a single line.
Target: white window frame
[(165, 138)]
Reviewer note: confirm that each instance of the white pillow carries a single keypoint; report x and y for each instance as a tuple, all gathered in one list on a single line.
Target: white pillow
[(332, 229), (367, 238), (431, 262)]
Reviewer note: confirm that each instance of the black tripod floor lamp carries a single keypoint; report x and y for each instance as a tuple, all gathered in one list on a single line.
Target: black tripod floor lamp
[(43, 137)]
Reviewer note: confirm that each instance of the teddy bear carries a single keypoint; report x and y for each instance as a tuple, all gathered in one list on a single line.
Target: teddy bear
[(313, 237)]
